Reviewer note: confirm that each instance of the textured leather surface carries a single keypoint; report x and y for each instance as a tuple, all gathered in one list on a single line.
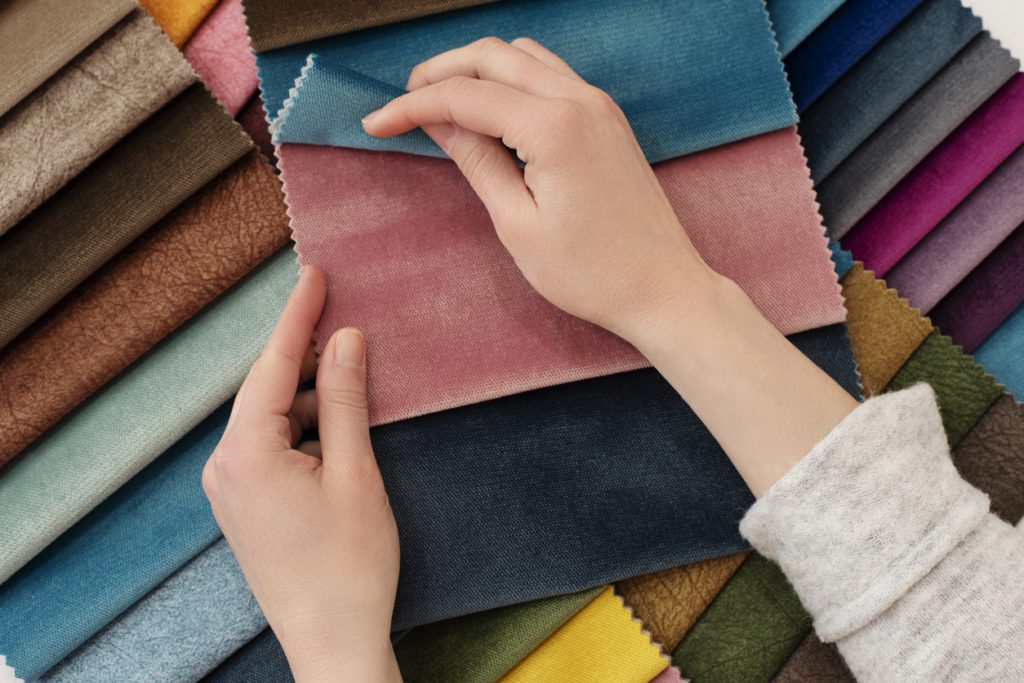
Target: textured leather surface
[(137, 299), (815, 661), (991, 456), (89, 105)]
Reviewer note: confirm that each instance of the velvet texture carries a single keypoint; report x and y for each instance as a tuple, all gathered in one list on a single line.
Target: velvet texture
[(38, 37), (179, 18), (896, 147), (141, 296), (723, 58), (794, 20), (986, 297), (83, 110), (960, 242), (1000, 353), (219, 52), (935, 187), (141, 179), (508, 338), (61, 477)]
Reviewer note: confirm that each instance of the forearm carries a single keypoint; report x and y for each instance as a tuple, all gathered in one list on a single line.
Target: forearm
[(340, 653)]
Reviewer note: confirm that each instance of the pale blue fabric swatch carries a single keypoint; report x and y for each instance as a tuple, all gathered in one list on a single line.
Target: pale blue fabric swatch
[(1002, 354), (794, 20)]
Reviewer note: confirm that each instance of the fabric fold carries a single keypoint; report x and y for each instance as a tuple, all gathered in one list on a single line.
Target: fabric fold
[(219, 52)]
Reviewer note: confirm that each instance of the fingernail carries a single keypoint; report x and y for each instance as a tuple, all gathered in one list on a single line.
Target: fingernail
[(369, 118), (349, 348)]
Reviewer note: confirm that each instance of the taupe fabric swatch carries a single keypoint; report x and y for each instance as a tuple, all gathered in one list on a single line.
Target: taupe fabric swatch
[(38, 37), (912, 132), (140, 180), (276, 23), (84, 109)]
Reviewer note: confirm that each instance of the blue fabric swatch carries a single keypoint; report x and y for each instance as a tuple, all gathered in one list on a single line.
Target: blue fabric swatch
[(794, 20), (836, 45), (842, 259), (1002, 354), (689, 76)]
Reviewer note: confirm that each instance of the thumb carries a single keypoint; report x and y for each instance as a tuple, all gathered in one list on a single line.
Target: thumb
[(343, 420)]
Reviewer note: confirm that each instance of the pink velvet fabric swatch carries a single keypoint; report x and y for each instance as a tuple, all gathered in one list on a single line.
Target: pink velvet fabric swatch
[(669, 675), (941, 181), (219, 52), (411, 257)]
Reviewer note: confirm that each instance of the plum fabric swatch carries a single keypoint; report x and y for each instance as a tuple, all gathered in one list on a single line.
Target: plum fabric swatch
[(815, 661), (960, 242), (794, 20), (154, 285), (219, 52), (985, 298), (181, 148), (941, 181), (439, 269), (59, 478), (179, 18), (874, 88), (600, 642), (83, 110), (841, 40), (38, 37), (921, 124), (723, 58), (1001, 352)]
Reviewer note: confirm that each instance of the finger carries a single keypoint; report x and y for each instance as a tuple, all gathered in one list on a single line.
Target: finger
[(303, 415), (546, 57), (341, 395), (311, 448), (309, 362)]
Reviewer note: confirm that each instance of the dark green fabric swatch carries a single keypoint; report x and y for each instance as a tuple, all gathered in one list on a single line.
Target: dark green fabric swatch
[(136, 183)]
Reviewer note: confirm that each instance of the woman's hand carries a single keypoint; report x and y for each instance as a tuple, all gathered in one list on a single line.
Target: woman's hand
[(310, 522)]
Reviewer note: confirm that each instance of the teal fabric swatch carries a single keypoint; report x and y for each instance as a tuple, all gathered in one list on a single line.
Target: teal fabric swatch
[(1002, 353), (842, 259), (794, 20)]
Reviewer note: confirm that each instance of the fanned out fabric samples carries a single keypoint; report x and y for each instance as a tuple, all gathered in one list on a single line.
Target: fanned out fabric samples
[(219, 52), (1001, 352), (146, 175), (38, 37), (793, 20), (83, 110), (601, 642), (179, 18)]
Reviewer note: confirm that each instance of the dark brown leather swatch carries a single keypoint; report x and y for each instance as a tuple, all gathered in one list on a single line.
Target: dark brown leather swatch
[(136, 183), (991, 456), (815, 661), (138, 298)]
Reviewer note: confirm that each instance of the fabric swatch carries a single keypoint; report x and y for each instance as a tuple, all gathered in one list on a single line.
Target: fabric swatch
[(261, 659), (842, 259), (876, 86), (179, 18), (38, 37), (86, 107), (671, 674), (440, 279), (883, 330), (794, 20), (219, 52), (985, 298), (601, 642), (154, 285), (1000, 354), (960, 242), (64, 475), (841, 40), (253, 121), (815, 661), (181, 148), (668, 602), (907, 137), (991, 457), (724, 58), (941, 181)]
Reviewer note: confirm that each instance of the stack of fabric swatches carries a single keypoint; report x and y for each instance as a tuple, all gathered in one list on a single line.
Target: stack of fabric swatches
[(563, 514)]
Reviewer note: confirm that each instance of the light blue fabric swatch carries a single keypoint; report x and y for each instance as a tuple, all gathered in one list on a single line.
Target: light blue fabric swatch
[(794, 20), (1002, 354), (688, 75)]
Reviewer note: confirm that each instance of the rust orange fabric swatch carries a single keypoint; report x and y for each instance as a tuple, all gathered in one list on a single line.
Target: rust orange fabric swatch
[(157, 283), (179, 18)]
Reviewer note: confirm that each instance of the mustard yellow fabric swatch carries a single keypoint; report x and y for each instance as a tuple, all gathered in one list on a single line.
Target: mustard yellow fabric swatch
[(179, 18), (601, 643)]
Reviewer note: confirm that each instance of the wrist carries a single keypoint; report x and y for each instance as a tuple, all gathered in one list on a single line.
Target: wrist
[(355, 651)]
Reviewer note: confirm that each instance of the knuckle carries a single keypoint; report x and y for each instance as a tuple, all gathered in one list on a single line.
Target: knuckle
[(489, 44), (209, 479), (351, 398), (523, 40), (474, 161), (600, 101), (566, 114)]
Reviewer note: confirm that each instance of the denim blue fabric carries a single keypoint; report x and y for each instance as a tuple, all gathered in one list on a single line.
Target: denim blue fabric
[(688, 75), (116, 554), (794, 20), (1002, 354), (839, 43), (882, 81), (842, 259), (261, 659)]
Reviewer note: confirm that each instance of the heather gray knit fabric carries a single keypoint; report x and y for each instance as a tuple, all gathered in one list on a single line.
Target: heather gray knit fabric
[(894, 555)]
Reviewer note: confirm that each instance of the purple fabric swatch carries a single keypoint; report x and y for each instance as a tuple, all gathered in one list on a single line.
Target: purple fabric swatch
[(986, 297), (959, 243), (941, 181)]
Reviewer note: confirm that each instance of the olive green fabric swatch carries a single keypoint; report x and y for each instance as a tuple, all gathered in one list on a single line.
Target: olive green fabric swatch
[(483, 647), (181, 148)]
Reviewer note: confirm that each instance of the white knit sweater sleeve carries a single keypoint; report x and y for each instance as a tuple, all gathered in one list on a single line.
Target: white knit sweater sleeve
[(895, 556)]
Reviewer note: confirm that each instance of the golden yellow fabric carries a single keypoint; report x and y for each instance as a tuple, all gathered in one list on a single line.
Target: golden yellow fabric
[(601, 643), (179, 18)]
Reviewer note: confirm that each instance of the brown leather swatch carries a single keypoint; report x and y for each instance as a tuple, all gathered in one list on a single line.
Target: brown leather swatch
[(139, 181), (884, 330), (137, 299), (668, 602), (991, 456), (276, 23), (815, 661)]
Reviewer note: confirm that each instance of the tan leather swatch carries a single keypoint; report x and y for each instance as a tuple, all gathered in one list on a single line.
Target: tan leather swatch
[(815, 661), (668, 602), (884, 330), (140, 180), (38, 37), (83, 110), (137, 299)]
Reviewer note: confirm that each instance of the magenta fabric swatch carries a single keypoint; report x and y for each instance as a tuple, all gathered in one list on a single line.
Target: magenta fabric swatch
[(941, 181), (219, 52), (965, 237), (669, 675), (411, 257), (986, 297)]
